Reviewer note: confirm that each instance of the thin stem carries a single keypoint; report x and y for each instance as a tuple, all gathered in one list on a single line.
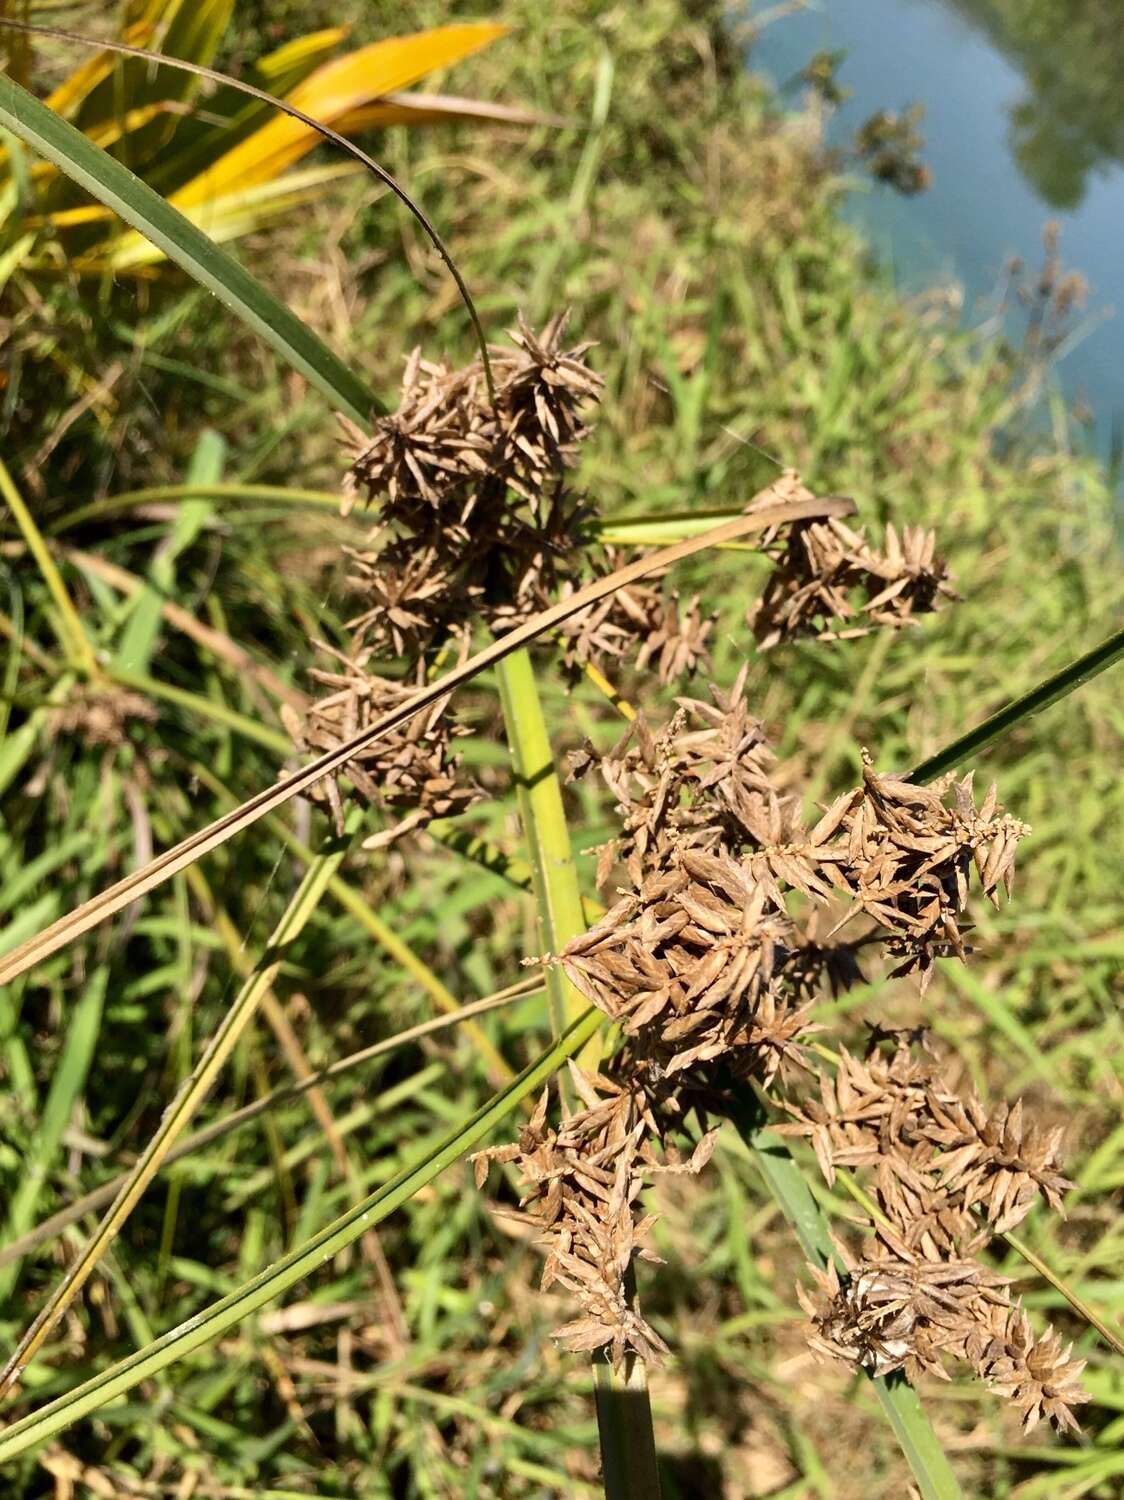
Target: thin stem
[(90, 1202)]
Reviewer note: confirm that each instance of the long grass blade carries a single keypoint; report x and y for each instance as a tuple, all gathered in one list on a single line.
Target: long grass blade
[(295, 113), (926, 1459), (72, 636), (1046, 693), (182, 241), (231, 1310), (103, 906)]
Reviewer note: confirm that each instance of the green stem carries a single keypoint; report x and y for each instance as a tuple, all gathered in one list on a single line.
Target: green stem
[(624, 1413), (539, 794)]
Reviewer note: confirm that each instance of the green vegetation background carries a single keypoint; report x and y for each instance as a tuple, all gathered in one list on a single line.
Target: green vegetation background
[(693, 231)]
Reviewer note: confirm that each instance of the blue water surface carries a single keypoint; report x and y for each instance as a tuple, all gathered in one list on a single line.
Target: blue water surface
[(981, 208)]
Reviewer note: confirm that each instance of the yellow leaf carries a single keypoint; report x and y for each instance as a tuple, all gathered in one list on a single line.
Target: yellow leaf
[(332, 91)]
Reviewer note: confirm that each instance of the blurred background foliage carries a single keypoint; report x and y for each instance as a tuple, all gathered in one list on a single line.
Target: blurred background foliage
[(642, 176)]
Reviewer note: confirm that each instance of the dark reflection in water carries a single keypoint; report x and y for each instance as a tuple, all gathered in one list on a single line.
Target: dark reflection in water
[(1070, 119), (1023, 122)]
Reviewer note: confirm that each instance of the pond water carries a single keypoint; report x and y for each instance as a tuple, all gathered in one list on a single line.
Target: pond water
[(1023, 123)]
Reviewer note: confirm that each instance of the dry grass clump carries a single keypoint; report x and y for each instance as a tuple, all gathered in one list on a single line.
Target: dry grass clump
[(412, 769), (99, 714), (709, 965)]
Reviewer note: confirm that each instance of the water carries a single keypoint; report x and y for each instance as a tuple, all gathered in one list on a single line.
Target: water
[(1018, 130)]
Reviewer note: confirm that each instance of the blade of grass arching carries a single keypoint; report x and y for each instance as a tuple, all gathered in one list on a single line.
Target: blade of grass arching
[(138, 639), (204, 708), (98, 1197), (229, 1311), (624, 1410), (114, 185), (898, 1399), (175, 1119), (72, 637), (67, 1085), (215, 834), (113, 505), (999, 724)]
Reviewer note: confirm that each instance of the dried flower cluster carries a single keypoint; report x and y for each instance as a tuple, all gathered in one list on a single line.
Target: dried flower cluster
[(100, 713), (584, 1178), (475, 519), (829, 582), (947, 1175), (710, 972), (412, 770), (474, 516)]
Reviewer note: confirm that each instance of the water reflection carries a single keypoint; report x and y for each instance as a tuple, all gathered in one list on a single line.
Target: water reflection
[(1023, 122), (1070, 119)]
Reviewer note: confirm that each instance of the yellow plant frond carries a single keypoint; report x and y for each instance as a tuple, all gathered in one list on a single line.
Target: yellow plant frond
[(333, 90), (283, 69)]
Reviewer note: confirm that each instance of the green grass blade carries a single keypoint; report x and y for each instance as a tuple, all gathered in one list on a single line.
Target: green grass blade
[(67, 1085), (1047, 692), (138, 639), (231, 1310), (182, 241)]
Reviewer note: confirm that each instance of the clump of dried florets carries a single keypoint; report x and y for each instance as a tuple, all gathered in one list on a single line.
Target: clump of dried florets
[(411, 771), (828, 581), (473, 512), (584, 1178), (100, 714), (709, 964), (946, 1175), (653, 623), (903, 855), (475, 516)]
